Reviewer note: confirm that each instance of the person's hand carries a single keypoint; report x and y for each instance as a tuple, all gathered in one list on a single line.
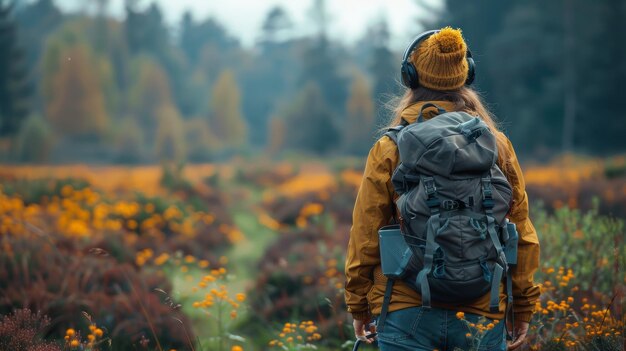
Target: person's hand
[(520, 331), (362, 329)]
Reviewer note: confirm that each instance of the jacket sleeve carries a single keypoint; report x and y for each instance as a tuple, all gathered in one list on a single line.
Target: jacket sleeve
[(525, 291), (372, 210)]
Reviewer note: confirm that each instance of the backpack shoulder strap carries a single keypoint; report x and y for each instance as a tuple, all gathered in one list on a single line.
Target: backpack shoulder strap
[(392, 133)]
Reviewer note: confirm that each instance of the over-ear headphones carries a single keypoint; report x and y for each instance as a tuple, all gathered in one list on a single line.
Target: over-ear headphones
[(408, 73)]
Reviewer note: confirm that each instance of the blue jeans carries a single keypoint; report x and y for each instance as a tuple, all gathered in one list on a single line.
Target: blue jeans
[(422, 329)]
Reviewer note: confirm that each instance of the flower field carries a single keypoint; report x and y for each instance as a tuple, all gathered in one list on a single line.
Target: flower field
[(250, 255)]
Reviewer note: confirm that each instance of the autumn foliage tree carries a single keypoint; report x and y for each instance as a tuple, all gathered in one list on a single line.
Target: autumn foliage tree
[(226, 120), (276, 135), (76, 106), (170, 142), (360, 123), (154, 110), (150, 90), (201, 143)]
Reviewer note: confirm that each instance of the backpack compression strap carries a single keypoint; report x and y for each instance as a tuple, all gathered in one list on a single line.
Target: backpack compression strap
[(380, 324), (433, 228)]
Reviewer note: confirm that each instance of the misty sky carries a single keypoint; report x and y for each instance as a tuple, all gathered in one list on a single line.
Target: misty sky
[(243, 18)]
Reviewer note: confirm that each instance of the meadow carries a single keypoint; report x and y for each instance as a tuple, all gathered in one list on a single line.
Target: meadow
[(249, 255)]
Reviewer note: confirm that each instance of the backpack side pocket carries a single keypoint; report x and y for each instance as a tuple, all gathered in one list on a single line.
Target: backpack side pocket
[(394, 252)]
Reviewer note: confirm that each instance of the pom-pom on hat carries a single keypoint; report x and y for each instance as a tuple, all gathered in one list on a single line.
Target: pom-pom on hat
[(440, 60)]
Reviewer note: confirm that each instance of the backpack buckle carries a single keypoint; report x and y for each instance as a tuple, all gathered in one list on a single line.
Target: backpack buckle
[(487, 193), (429, 185), (451, 205), (431, 199), (488, 203)]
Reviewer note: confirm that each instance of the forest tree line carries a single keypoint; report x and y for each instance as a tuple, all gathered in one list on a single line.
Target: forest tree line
[(94, 88)]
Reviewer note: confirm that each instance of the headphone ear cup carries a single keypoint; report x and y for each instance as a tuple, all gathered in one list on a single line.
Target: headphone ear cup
[(471, 71), (409, 75)]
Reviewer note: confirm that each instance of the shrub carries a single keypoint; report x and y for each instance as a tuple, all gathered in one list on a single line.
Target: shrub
[(591, 242), (160, 223), (129, 142), (615, 167), (22, 330), (39, 190), (581, 307), (301, 276), (61, 279), (34, 140), (46, 262)]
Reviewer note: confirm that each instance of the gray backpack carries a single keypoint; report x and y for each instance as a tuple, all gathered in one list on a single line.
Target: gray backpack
[(453, 243)]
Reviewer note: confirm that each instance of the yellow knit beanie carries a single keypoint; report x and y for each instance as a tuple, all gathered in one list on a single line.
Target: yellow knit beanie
[(440, 60)]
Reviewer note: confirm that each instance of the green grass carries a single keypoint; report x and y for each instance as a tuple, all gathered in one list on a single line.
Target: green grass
[(243, 258)]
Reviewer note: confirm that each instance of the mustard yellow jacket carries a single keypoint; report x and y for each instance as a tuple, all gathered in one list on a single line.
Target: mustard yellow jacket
[(365, 283)]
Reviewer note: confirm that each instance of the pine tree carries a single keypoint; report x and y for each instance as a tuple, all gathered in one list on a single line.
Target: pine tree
[(36, 21), (596, 53), (145, 31), (360, 124), (528, 89), (320, 64), (384, 69), (561, 78), (311, 123), (226, 120), (478, 32), (268, 78), (275, 25), (196, 36), (147, 34), (14, 92)]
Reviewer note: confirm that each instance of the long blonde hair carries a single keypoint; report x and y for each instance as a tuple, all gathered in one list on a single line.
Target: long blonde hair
[(464, 99)]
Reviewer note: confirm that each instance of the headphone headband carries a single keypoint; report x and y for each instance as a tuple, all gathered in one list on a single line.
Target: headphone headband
[(416, 42), (408, 72)]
